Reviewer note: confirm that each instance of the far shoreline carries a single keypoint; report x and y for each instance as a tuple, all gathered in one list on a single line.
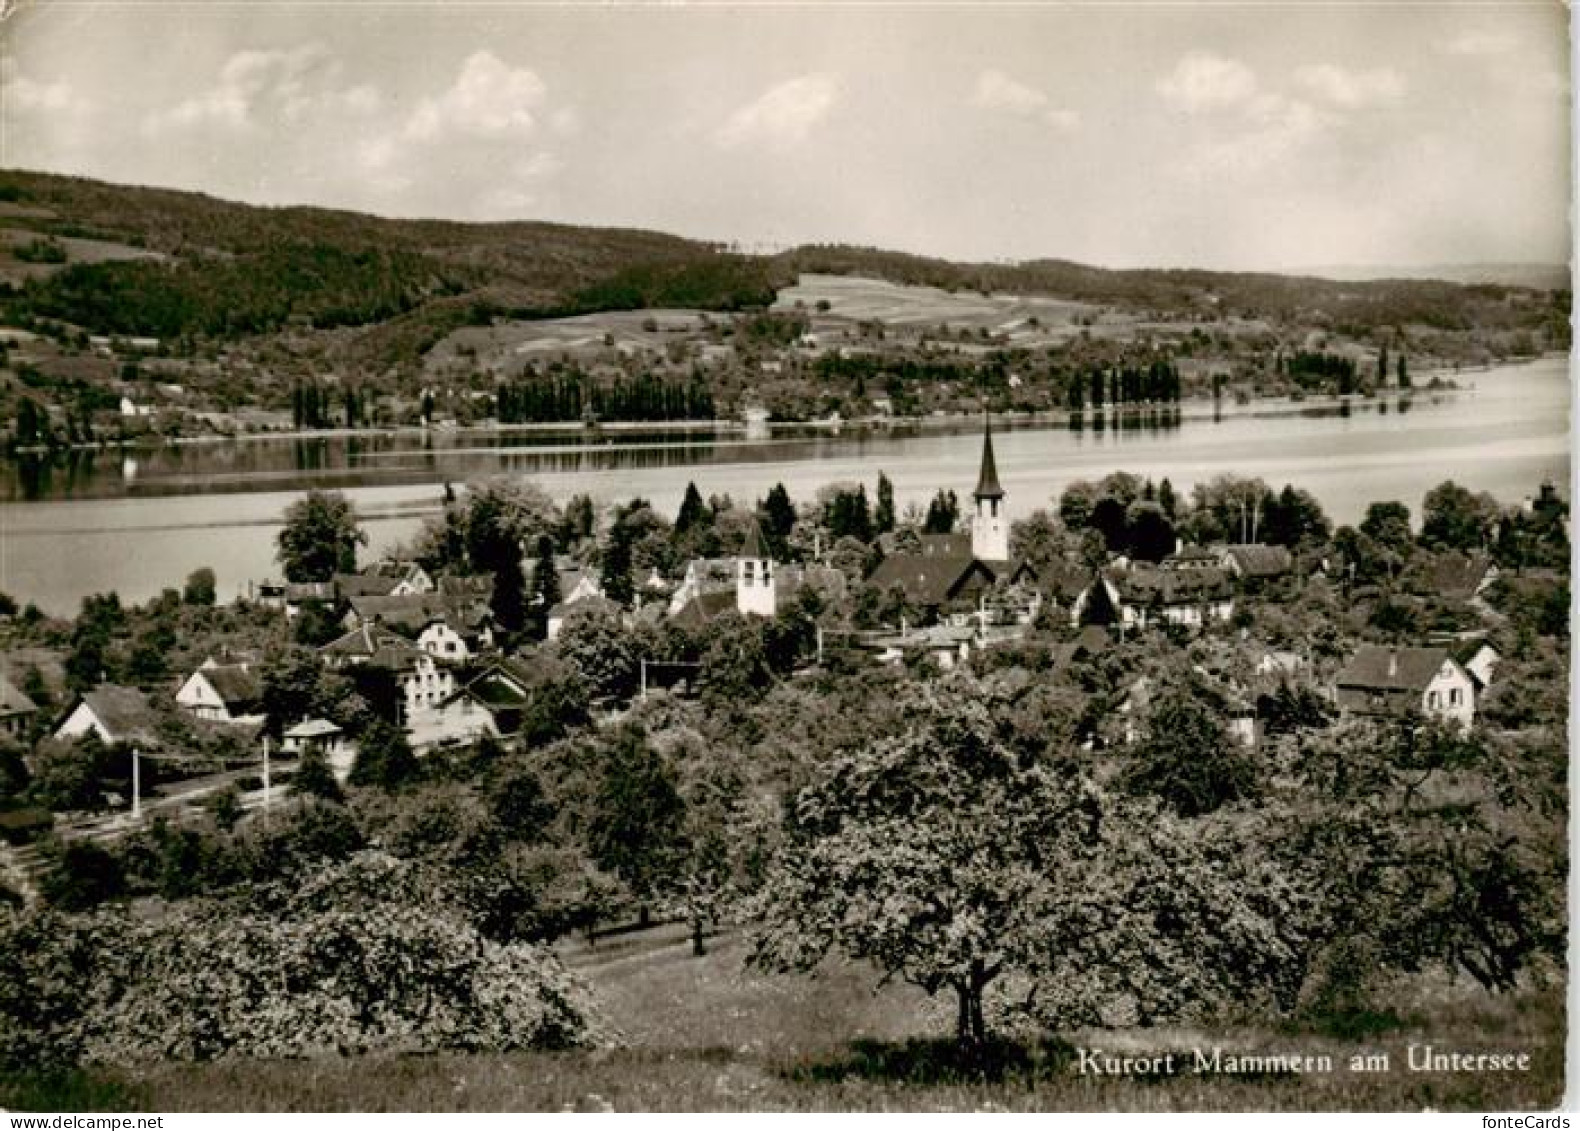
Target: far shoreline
[(1190, 408)]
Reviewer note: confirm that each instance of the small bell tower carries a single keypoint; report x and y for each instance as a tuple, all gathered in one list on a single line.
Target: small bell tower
[(755, 582), (989, 528)]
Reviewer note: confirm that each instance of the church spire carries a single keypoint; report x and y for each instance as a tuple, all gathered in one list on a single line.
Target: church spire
[(989, 531), (987, 482)]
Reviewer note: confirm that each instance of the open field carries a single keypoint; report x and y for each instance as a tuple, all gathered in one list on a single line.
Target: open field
[(703, 1034), (1025, 320)]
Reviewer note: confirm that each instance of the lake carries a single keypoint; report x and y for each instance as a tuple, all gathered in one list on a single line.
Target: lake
[(141, 522)]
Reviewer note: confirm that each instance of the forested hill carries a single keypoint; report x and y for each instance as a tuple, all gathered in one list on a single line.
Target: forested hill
[(140, 261)]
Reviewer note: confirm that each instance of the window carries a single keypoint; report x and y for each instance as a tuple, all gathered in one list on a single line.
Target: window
[(1453, 697), (1433, 699)]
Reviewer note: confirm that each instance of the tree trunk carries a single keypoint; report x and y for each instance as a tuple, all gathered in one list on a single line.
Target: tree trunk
[(697, 947), (970, 1023), (970, 1030)]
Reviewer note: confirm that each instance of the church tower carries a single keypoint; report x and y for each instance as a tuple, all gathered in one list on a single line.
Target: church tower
[(755, 583), (989, 528)]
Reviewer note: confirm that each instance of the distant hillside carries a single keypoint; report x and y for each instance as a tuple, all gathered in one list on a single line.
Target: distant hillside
[(1537, 276), (138, 261)]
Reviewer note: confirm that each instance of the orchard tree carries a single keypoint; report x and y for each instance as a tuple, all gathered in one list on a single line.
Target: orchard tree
[(602, 653), (636, 828), (384, 758), (200, 587), (1187, 759), (1453, 518), (1388, 524), (320, 537), (929, 854)]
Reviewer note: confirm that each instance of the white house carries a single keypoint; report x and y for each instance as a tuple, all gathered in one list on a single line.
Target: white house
[(225, 693), (115, 714), (1402, 683)]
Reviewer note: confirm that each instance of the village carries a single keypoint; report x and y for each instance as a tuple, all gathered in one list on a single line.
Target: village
[(431, 654)]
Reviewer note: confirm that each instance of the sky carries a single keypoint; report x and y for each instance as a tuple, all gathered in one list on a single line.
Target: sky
[(1225, 135)]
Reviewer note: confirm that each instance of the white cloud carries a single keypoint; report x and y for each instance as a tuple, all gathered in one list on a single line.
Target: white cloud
[(23, 95), (258, 87), (785, 115), (1351, 90), (1273, 130), (488, 99), (1201, 82), (1482, 42), (997, 91)]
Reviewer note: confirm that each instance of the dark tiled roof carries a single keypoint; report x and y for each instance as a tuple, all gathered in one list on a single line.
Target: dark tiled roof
[(379, 647), (585, 605), (1064, 580), (705, 607), (1261, 561), (411, 614), (1375, 667), (350, 585), (1191, 556), (123, 711), (1144, 585), (12, 701), (237, 687), (929, 580), (1457, 575)]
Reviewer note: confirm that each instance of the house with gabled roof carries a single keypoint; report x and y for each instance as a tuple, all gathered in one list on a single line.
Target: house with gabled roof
[(114, 713), (423, 680), (1386, 682), (1480, 660), (17, 711), (225, 693), (491, 703), (1145, 595), (1256, 563), (1454, 575)]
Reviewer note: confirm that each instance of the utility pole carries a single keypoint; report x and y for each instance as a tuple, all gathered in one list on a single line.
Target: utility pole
[(137, 784), (267, 793)]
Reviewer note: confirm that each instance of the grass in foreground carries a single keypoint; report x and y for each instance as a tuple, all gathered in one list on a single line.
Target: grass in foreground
[(704, 1034)]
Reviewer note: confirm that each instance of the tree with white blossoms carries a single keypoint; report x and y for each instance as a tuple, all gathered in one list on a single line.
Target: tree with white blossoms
[(930, 854), (955, 860)]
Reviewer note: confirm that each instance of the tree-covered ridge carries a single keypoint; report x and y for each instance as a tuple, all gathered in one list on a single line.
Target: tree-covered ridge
[(242, 270), (541, 268)]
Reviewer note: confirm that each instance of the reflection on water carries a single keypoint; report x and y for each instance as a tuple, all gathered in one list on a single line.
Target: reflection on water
[(374, 458), (136, 522)]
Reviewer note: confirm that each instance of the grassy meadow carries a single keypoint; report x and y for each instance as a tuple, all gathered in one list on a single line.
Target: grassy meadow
[(705, 1034)]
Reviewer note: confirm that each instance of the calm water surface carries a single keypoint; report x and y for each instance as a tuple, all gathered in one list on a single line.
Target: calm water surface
[(140, 524)]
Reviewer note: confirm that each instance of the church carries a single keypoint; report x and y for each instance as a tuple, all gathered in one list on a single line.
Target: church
[(952, 573)]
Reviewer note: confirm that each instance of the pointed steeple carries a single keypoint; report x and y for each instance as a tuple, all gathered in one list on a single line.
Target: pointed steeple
[(752, 547), (987, 482)]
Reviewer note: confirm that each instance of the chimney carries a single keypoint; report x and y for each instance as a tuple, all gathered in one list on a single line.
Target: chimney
[(1393, 663)]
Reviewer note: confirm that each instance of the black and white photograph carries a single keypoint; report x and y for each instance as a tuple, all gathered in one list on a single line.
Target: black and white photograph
[(784, 557)]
